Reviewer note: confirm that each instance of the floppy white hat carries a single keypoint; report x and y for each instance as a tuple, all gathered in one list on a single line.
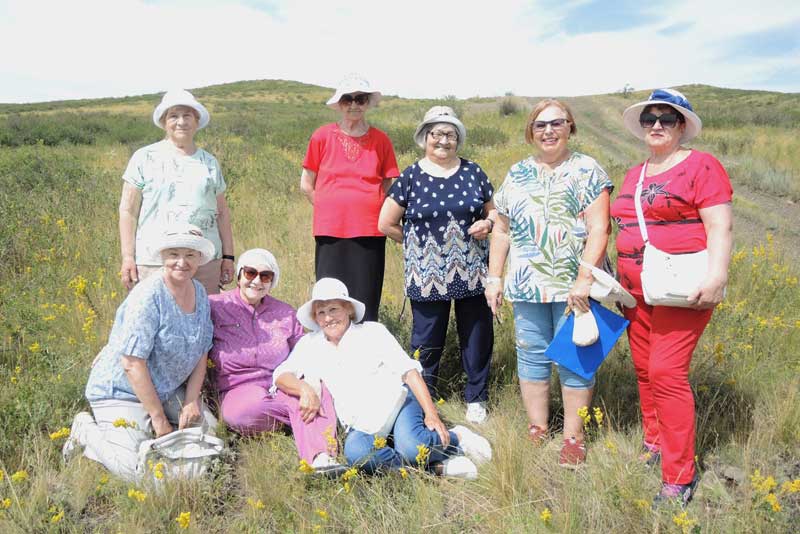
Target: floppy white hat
[(353, 84), (606, 289), (435, 115), (668, 97), (186, 236), (327, 289), (180, 97), (260, 256)]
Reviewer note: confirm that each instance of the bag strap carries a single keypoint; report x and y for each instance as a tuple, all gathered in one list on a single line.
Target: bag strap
[(638, 205)]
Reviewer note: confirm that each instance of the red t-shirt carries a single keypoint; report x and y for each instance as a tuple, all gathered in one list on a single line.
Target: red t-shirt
[(348, 193), (670, 204)]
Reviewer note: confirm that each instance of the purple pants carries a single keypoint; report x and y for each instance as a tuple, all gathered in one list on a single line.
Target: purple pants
[(250, 409)]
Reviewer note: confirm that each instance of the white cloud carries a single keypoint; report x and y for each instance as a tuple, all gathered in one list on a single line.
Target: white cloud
[(91, 48)]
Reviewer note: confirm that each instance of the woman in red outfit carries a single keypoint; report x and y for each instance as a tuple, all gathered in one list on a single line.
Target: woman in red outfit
[(347, 170), (686, 202)]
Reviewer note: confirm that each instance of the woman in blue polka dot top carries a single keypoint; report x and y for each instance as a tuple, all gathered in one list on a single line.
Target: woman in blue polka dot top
[(441, 210)]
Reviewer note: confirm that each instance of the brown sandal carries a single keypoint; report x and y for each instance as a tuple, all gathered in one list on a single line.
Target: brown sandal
[(537, 434)]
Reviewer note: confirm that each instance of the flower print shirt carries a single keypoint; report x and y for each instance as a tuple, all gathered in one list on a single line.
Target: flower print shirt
[(547, 231), (175, 189), (150, 325), (442, 261)]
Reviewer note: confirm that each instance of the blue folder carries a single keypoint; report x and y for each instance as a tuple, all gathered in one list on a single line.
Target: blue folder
[(584, 361)]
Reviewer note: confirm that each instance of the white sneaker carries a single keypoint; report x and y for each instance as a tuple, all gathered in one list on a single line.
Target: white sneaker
[(459, 467), (476, 413), (475, 446), (74, 443), (323, 460)]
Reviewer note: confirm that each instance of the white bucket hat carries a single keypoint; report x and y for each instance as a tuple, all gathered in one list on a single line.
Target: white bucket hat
[(607, 290), (186, 236), (353, 84), (667, 97), (327, 289), (180, 97), (260, 256), (439, 114)]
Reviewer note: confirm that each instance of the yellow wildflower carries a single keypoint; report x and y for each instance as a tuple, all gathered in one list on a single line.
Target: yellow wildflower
[(35, 347), (61, 224), (58, 434), (546, 516), (403, 472), (416, 354), (790, 486), (772, 499), (598, 416), (440, 402), (611, 446), (210, 364), (422, 454), (19, 476), (184, 519), (124, 423), (762, 484), (330, 440), (583, 413), (2, 475), (379, 442), (350, 474), (322, 513), (642, 504), (6, 503), (305, 467), (347, 487), (58, 517), (49, 318), (78, 285), (137, 495), (684, 522), (14, 380), (255, 505)]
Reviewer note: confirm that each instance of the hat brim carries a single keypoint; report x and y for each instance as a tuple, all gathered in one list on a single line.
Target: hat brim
[(630, 117), (202, 245), (612, 291), (333, 102), (162, 108), (305, 317), (419, 133)]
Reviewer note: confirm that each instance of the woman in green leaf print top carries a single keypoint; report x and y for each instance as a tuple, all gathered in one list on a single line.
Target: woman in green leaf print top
[(553, 211)]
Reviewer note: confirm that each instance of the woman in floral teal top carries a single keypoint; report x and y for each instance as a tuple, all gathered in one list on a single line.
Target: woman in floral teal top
[(439, 210), (553, 211)]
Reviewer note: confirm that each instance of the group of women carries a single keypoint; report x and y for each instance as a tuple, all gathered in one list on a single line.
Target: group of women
[(548, 222)]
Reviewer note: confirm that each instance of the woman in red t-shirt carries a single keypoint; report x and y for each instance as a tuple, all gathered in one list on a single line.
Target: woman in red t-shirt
[(686, 202), (347, 170)]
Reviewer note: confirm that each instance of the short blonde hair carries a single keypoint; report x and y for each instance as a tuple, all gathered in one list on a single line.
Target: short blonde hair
[(541, 106)]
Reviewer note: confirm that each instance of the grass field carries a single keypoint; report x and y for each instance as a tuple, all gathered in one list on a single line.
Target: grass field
[(60, 168)]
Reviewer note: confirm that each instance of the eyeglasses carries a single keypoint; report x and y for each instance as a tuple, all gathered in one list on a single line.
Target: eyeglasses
[(557, 124), (667, 120), (438, 136), (250, 273), (359, 99)]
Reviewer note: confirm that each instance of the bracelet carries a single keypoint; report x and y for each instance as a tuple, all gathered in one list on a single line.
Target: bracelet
[(491, 224), (228, 257), (493, 280)]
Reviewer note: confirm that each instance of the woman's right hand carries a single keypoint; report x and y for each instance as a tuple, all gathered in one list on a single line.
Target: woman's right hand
[(128, 273), (494, 295), (309, 403), (161, 425)]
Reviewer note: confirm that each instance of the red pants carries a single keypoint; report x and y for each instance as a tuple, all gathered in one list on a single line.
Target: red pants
[(662, 340)]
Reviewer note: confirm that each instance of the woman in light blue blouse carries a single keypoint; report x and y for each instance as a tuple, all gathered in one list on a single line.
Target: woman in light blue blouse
[(439, 209), (146, 381)]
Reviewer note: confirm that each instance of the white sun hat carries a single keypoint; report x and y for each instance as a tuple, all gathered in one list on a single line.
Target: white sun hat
[(353, 83), (327, 289), (667, 97), (606, 289), (260, 256), (180, 97), (436, 115), (186, 236)]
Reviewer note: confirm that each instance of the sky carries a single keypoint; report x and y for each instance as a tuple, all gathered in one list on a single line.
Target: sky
[(56, 49)]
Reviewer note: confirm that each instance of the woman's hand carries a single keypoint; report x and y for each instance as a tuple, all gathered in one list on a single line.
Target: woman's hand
[(190, 413), (494, 295), (226, 272), (433, 422), (128, 273), (481, 229), (161, 425), (309, 403), (578, 298), (709, 294)]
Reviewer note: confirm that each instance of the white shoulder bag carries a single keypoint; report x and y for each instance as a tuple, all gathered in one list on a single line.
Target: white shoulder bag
[(184, 453), (667, 279)]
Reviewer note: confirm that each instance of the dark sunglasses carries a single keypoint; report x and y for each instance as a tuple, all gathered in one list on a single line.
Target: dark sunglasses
[(361, 99), (667, 120), (250, 273), (540, 126)]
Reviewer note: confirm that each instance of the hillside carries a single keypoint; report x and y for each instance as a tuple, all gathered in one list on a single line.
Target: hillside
[(60, 168)]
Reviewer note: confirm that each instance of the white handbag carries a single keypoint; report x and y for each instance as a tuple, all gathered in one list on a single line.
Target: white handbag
[(667, 279), (182, 454)]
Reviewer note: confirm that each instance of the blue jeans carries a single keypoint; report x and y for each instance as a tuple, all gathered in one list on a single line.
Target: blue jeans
[(408, 432), (535, 326)]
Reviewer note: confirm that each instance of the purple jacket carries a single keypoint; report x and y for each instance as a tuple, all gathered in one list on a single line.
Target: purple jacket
[(250, 343)]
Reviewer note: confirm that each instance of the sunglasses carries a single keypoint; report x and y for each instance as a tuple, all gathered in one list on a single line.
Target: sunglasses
[(667, 120), (540, 126), (361, 99), (250, 273), (438, 136)]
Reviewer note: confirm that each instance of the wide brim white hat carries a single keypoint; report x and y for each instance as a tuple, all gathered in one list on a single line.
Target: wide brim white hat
[(667, 97), (606, 289), (180, 97), (327, 289), (260, 256), (437, 115), (186, 236), (350, 85)]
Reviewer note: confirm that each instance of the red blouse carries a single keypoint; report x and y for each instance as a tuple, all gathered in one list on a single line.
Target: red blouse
[(348, 193), (670, 204)]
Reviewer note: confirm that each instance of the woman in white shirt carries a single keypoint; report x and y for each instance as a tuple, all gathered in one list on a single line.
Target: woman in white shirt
[(377, 390)]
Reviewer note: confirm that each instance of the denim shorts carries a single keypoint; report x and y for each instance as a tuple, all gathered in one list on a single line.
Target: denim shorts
[(535, 325)]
